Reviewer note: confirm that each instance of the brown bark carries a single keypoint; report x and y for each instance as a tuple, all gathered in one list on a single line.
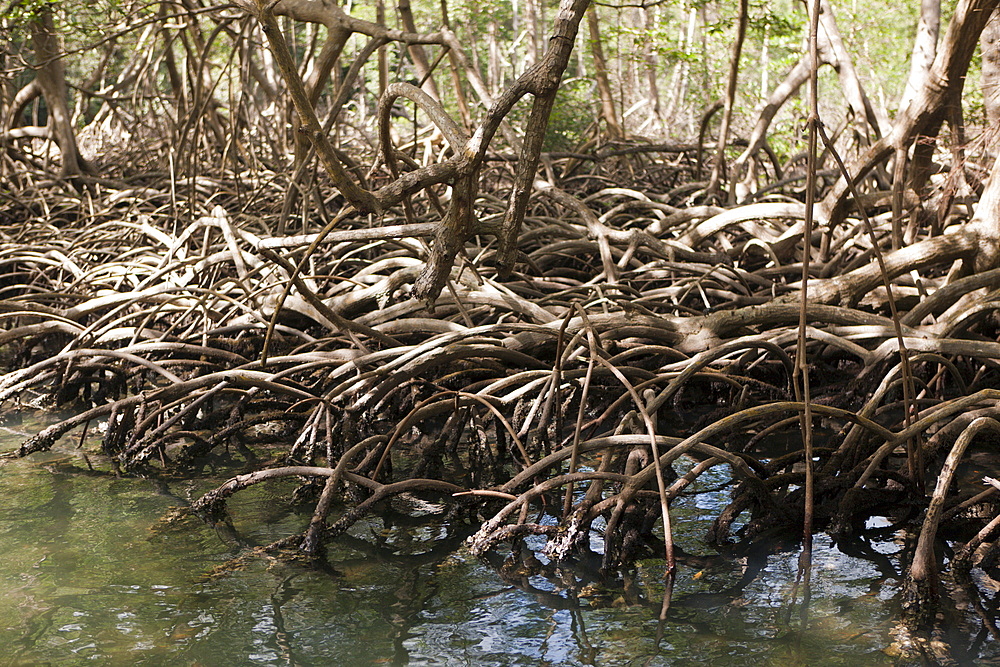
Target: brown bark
[(15, 107), (51, 76), (920, 590), (608, 112), (532, 36), (652, 67), (319, 71), (986, 222), (543, 82), (834, 53), (462, 170), (417, 53), (383, 58), (677, 89), (924, 115), (719, 165), (456, 79)]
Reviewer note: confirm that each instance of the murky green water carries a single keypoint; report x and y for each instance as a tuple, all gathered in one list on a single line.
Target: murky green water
[(85, 578)]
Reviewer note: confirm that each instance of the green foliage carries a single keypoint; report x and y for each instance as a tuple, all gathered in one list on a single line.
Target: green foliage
[(572, 114), (973, 103), (77, 19), (23, 12), (97, 38), (879, 37), (476, 17), (775, 21)]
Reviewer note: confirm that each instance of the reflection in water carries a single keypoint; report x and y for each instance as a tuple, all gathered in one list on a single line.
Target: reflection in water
[(85, 578)]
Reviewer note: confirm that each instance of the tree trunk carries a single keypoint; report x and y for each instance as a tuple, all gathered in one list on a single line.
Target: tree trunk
[(989, 45), (652, 65), (924, 49), (532, 51), (417, 53), (797, 76), (835, 53), (51, 77), (608, 112), (924, 115), (677, 89), (494, 70), (986, 221), (456, 79), (719, 166)]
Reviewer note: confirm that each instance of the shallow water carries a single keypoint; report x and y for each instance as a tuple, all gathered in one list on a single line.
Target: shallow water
[(87, 577)]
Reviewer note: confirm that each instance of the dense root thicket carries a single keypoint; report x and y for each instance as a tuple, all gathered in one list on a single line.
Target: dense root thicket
[(636, 325), (424, 318)]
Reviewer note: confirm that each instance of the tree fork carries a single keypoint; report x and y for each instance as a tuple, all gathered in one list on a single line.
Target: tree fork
[(923, 117)]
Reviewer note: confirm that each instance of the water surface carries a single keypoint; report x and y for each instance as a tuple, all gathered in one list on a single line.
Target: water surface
[(88, 576)]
